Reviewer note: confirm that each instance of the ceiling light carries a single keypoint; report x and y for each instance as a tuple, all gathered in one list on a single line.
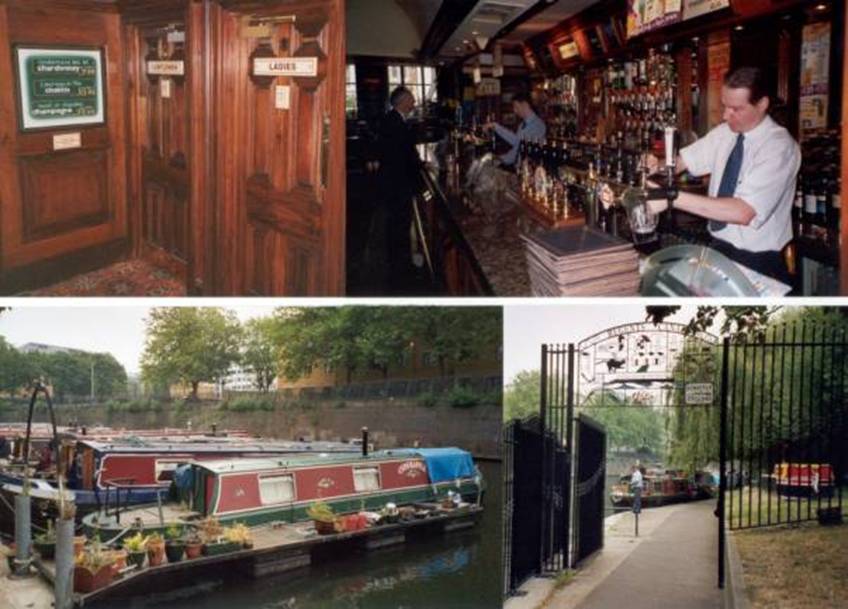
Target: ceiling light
[(821, 7)]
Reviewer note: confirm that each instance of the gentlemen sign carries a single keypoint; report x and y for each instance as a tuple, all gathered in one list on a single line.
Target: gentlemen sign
[(166, 68), (286, 66)]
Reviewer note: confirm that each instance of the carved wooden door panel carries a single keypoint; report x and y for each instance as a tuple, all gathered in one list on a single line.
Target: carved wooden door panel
[(280, 154), (62, 186)]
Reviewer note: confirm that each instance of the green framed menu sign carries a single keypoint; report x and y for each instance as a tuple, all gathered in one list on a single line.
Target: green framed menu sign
[(60, 87)]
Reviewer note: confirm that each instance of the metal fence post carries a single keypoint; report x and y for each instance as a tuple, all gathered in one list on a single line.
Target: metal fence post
[(725, 357), (63, 586)]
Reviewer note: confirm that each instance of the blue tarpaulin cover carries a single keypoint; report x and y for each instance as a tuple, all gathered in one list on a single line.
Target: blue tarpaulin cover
[(443, 464)]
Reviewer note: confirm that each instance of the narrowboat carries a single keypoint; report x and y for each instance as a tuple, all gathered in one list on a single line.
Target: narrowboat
[(259, 491), (140, 468), (804, 479), (659, 487)]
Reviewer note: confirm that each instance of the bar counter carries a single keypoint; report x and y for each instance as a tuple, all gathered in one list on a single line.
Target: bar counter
[(475, 234)]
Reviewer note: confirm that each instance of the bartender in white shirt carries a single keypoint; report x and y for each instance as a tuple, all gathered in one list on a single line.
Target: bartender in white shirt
[(753, 164), (532, 128)]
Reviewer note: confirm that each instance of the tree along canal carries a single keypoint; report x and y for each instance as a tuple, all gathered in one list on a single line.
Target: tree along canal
[(457, 570)]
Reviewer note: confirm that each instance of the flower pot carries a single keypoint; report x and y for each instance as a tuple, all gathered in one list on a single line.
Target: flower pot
[(45, 549), (136, 558), (155, 553), (174, 551), (79, 544), (85, 581), (223, 547), (193, 549), (326, 528), (120, 561)]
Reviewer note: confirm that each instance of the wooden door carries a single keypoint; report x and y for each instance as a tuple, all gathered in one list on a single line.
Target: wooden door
[(279, 171), (165, 86), (63, 191)]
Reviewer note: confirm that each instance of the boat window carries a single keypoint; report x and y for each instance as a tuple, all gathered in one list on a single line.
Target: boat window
[(366, 479), (165, 470), (276, 489)]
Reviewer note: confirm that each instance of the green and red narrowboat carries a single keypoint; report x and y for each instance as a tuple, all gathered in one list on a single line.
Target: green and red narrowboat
[(257, 491)]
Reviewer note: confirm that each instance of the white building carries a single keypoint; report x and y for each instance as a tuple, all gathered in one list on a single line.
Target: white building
[(242, 380)]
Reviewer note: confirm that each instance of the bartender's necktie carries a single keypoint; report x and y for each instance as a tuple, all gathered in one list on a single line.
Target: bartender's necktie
[(730, 177)]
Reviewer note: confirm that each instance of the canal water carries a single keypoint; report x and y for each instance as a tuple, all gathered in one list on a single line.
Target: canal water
[(459, 570)]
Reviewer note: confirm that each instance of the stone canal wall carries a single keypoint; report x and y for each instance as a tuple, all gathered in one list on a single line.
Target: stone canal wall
[(391, 423)]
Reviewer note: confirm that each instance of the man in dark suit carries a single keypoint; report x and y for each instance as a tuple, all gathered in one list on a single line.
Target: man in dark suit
[(399, 180)]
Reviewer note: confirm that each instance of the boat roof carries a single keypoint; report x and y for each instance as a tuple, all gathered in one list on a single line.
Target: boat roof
[(215, 445), (442, 463), (240, 465)]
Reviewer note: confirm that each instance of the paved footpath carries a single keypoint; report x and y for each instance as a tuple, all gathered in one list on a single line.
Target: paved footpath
[(672, 565)]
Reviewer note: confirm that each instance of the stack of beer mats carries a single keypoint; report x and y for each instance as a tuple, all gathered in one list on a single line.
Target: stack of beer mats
[(580, 261)]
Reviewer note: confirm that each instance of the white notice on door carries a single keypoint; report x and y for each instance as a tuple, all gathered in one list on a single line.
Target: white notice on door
[(165, 88), (282, 99), (66, 141)]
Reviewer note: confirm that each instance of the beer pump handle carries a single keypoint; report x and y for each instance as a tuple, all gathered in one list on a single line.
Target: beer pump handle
[(670, 165)]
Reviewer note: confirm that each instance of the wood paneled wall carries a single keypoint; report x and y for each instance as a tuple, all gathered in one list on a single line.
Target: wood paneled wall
[(58, 204), (205, 175)]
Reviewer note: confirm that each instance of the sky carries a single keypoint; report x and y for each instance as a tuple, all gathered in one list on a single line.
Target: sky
[(527, 328), (109, 328)]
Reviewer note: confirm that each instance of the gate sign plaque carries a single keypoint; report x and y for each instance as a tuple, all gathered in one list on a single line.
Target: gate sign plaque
[(642, 363), (699, 394), (60, 87), (285, 66)]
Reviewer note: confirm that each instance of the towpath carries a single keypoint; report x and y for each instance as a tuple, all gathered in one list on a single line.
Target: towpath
[(671, 565)]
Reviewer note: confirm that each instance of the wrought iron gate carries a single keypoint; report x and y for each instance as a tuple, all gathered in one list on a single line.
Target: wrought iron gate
[(535, 533), (783, 424), (589, 492)]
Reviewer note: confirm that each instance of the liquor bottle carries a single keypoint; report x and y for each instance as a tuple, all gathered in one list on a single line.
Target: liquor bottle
[(810, 203), (835, 206)]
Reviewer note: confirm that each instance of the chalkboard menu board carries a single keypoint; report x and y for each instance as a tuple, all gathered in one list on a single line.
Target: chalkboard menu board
[(60, 87)]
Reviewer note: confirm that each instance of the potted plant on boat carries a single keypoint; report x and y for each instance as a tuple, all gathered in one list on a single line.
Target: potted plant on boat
[(92, 570), (239, 534), (214, 541), (79, 544), (136, 547), (323, 517), (119, 560), (45, 543), (193, 545), (155, 550), (174, 544)]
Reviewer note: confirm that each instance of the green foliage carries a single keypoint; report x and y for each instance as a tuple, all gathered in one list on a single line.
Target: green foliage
[(16, 369), (770, 385), (71, 374), (460, 396), (249, 404), (428, 399), (522, 396), (260, 353), (358, 338), (190, 345), (629, 426)]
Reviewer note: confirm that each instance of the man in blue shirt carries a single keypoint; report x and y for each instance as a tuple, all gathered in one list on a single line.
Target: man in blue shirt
[(532, 128)]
